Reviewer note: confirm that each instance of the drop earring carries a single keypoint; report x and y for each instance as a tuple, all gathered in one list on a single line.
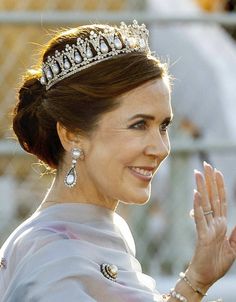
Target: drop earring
[(71, 176)]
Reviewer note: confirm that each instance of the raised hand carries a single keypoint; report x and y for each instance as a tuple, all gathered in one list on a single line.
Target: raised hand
[(215, 252)]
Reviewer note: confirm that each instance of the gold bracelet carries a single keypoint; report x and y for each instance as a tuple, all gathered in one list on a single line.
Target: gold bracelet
[(196, 290)]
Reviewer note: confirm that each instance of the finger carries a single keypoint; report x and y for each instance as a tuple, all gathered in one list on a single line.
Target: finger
[(232, 241), (212, 188), (201, 188), (221, 192), (199, 218)]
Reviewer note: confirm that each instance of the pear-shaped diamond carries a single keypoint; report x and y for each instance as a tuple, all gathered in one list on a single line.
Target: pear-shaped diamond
[(77, 57), (55, 68), (89, 53), (70, 179), (103, 47), (49, 74), (66, 63), (43, 80), (117, 43)]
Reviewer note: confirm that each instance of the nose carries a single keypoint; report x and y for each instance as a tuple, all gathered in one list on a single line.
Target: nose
[(157, 146)]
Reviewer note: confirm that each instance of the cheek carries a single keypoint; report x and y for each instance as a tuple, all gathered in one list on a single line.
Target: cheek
[(111, 152), (127, 156), (123, 149)]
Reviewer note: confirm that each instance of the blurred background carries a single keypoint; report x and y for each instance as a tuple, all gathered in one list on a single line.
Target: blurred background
[(197, 39)]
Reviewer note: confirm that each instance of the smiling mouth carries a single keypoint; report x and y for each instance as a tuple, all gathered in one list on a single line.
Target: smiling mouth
[(142, 173)]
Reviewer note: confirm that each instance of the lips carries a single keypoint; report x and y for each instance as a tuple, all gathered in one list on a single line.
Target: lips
[(143, 173)]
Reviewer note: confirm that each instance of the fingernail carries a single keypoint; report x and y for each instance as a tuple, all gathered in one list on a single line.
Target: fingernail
[(218, 172), (196, 194), (206, 164), (197, 173)]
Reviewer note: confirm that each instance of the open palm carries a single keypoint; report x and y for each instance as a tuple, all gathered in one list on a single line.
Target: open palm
[(214, 252)]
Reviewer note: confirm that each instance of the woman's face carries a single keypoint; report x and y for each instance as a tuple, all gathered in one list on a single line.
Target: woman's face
[(128, 146)]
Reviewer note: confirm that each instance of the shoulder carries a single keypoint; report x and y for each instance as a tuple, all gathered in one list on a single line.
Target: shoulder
[(43, 265), (28, 239), (23, 235)]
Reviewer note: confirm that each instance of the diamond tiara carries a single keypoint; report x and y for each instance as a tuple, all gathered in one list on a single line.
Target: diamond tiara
[(100, 46)]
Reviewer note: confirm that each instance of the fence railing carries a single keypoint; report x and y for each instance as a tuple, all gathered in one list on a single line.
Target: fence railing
[(70, 17), (177, 146)]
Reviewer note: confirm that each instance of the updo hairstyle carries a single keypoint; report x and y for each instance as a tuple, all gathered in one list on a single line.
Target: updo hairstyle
[(79, 101)]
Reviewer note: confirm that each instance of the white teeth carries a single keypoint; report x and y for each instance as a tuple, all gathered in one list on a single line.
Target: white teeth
[(142, 171)]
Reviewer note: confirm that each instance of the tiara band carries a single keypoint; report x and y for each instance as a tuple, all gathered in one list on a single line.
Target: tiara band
[(100, 46)]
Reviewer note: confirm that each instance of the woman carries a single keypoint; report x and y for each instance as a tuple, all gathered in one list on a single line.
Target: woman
[(97, 110)]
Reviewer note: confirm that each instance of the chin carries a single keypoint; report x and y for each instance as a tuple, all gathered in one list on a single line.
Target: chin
[(137, 199), (135, 195)]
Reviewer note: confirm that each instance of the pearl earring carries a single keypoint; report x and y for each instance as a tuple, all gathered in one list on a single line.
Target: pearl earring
[(71, 176)]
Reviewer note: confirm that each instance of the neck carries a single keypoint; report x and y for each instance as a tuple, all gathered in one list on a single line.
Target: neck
[(59, 193)]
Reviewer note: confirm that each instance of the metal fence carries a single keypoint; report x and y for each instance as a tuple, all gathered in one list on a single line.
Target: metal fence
[(158, 227)]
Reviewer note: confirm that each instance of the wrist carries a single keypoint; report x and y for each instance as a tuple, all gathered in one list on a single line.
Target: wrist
[(196, 281), (188, 288), (186, 291), (201, 291)]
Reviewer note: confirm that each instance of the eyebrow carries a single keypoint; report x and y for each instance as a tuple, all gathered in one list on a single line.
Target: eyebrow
[(150, 117)]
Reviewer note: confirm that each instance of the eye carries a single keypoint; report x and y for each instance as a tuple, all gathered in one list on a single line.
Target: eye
[(140, 125), (164, 126)]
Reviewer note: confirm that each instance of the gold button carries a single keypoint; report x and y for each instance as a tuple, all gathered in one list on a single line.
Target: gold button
[(109, 271)]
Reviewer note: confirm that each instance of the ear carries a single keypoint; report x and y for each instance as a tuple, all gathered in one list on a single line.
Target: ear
[(68, 139)]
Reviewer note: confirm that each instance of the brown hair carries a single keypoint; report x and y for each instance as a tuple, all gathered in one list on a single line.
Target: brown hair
[(78, 101)]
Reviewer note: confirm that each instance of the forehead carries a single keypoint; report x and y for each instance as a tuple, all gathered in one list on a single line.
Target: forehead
[(152, 97)]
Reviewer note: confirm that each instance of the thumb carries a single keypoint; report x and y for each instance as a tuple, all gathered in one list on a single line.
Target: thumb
[(232, 240)]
